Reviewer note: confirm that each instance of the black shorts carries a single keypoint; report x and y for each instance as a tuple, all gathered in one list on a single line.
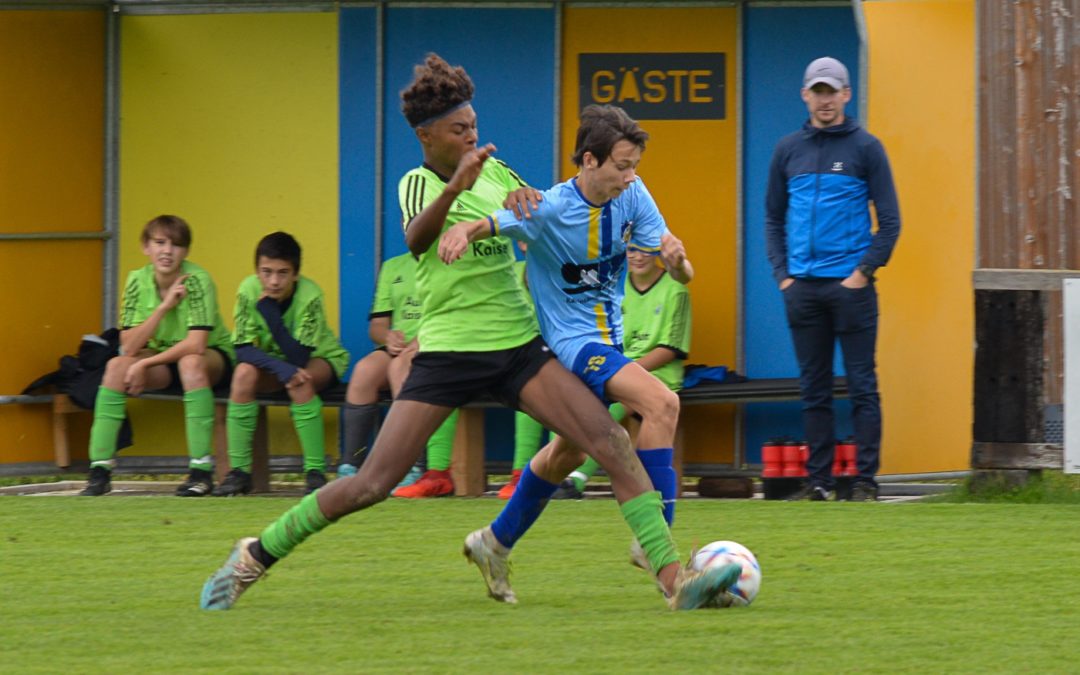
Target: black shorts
[(222, 386), (452, 379)]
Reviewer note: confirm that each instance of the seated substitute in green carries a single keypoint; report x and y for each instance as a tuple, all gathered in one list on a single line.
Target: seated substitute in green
[(392, 324), (656, 334), (171, 332), (283, 341)]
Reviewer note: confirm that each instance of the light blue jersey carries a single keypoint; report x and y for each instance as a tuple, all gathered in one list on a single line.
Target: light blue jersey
[(576, 261)]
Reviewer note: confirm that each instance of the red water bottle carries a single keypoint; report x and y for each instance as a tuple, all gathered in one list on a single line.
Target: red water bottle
[(793, 465), (804, 456), (838, 459), (772, 455), (846, 450)]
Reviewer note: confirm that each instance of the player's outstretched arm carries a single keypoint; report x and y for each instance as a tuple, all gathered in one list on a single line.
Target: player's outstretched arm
[(456, 240), (673, 255), (424, 229)]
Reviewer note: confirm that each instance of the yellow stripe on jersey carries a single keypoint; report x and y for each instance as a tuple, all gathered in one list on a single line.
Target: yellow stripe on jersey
[(594, 232), (602, 323)]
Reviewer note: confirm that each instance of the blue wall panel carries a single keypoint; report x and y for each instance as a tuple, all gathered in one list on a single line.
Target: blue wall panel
[(510, 55), (779, 42), (356, 101)]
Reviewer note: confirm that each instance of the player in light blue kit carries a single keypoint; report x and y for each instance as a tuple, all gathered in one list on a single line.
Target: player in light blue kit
[(577, 237)]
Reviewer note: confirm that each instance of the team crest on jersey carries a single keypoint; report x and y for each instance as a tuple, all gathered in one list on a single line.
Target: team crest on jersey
[(627, 231)]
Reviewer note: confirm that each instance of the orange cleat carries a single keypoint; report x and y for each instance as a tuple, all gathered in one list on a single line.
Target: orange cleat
[(431, 484), (507, 491)]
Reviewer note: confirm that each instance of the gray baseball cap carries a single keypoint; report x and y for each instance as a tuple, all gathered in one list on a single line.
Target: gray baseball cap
[(826, 70)]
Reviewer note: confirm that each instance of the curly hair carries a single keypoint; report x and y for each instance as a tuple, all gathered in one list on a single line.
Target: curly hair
[(602, 126), (437, 87)]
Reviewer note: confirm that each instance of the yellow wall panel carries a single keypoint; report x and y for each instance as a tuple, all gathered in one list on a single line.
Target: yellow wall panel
[(230, 121), (687, 164), (52, 67), (922, 107)]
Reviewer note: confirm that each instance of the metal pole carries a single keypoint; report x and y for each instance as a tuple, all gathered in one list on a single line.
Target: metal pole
[(111, 207), (380, 121), (864, 56), (51, 236)]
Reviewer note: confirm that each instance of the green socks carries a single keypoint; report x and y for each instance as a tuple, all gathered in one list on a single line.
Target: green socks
[(109, 412), (441, 444), (199, 423), (527, 435), (307, 418), (298, 523), (240, 428), (645, 515)]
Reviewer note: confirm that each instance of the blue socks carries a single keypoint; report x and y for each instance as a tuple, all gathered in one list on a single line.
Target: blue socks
[(530, 498), (658, 465)]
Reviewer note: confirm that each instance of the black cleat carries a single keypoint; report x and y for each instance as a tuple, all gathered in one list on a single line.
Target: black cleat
[(568, 490), (864, 492), (810, 493), (238, 482), (199, 483), (99, 482), (313, 480)]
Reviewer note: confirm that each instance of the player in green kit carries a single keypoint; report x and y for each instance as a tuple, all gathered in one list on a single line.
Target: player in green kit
[(282, 341), (392, 324), (478, 337), (171, 332), (656, 334)]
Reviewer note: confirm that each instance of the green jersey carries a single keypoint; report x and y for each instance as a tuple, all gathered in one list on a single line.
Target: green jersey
[(396, 296), (198, 310), (475, 304), (659, 316), (305, 319)]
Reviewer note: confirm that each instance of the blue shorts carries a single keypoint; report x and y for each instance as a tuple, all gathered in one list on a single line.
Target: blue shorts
[(597, 363)]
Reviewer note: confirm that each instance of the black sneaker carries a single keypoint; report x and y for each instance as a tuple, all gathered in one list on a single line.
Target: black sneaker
[(98, 483), (810, 493), (199, 483), (313, 480), (238, 482), (864, 492), (568, 490)]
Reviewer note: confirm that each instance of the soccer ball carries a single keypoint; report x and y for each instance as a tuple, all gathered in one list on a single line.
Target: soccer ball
[(723, 552)]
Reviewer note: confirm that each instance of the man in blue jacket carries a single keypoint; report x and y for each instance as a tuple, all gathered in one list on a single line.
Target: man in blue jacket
[(824, 254)]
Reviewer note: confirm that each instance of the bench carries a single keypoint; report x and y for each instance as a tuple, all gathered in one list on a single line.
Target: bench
[(468, 467)]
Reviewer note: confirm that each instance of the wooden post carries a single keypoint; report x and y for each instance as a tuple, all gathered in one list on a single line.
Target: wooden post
[(467, 463), (62, 407), (1008, 429)]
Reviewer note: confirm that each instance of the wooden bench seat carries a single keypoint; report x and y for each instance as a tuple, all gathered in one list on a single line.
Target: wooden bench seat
[(468, 467)]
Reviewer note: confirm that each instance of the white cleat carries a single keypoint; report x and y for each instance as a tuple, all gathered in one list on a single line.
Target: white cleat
[(484, 550)]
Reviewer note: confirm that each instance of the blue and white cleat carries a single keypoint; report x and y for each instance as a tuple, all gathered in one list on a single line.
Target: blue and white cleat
[(697, 589), (241, 569)]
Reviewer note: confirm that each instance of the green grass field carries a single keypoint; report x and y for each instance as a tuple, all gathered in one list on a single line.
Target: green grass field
[(94, 585)]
